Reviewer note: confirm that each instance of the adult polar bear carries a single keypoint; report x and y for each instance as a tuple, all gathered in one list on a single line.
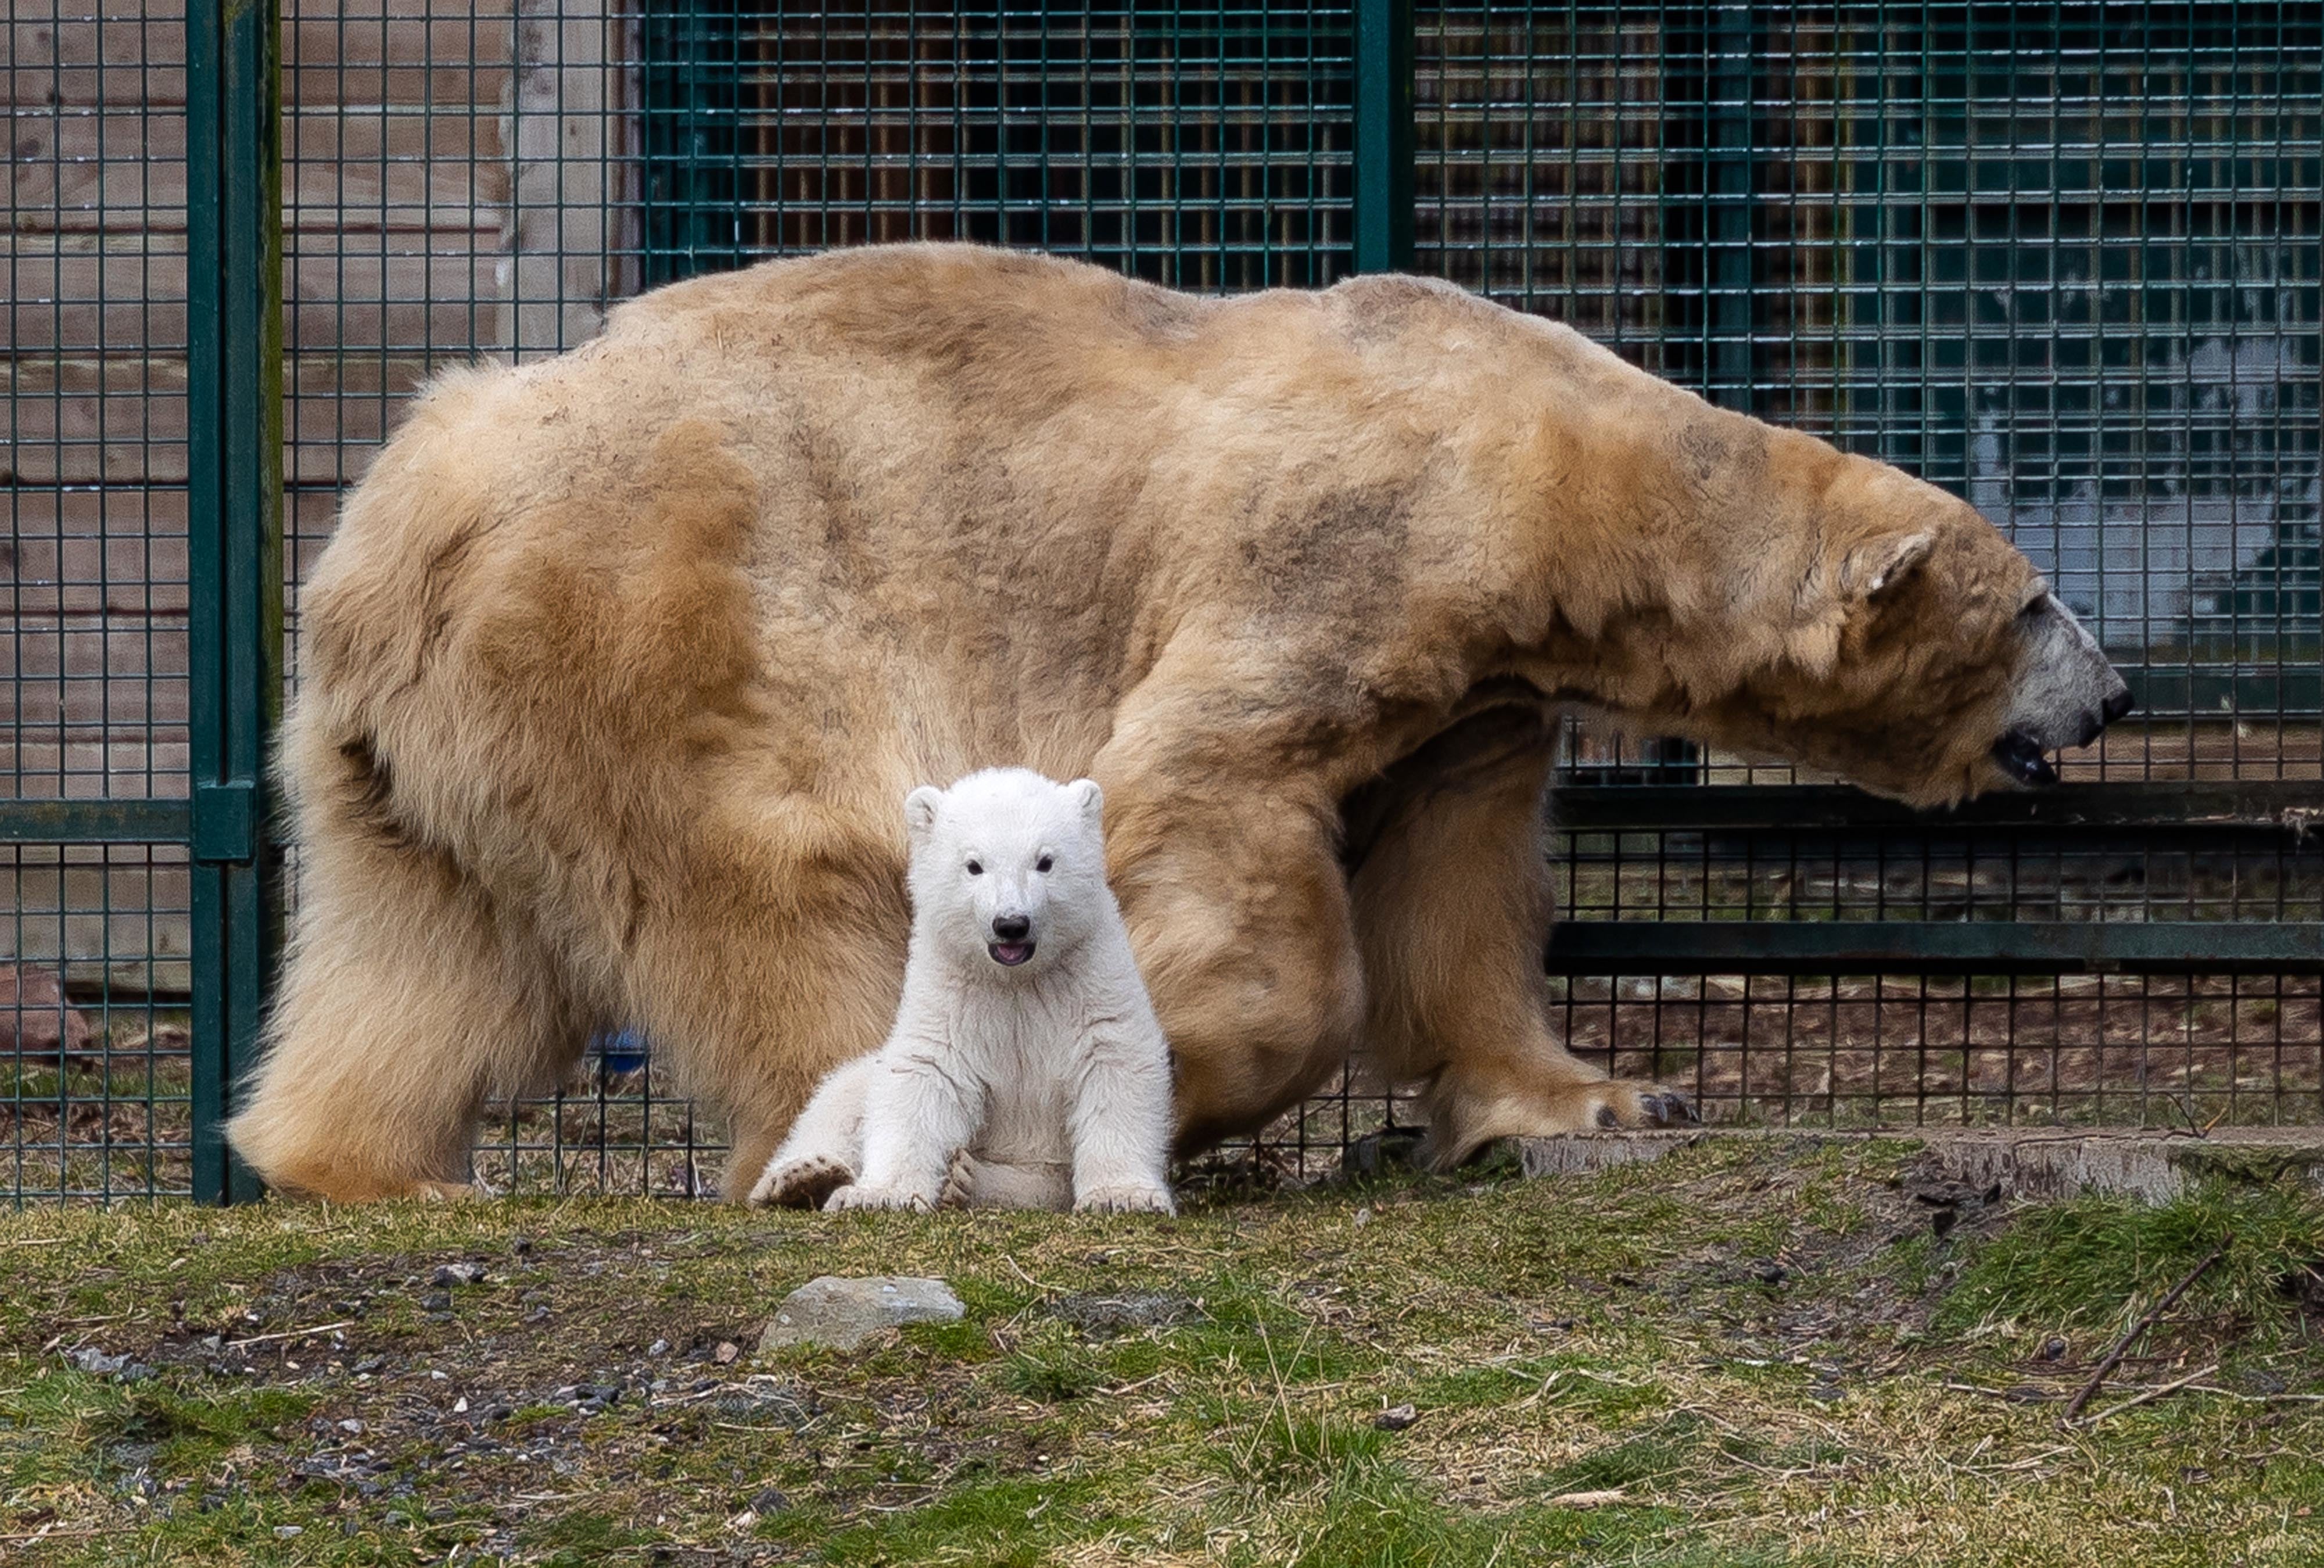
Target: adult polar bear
[(619, 664)]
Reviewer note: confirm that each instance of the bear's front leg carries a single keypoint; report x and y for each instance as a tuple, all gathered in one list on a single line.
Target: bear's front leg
[(825, 1144), (919, 1111), (1452, 909), (1238, 912), (1120, 1119)]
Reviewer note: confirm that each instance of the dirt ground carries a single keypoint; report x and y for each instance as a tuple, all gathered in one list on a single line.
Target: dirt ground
[(1737, 1355)]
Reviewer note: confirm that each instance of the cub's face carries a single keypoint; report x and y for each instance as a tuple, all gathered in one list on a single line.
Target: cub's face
[(1008, 870)]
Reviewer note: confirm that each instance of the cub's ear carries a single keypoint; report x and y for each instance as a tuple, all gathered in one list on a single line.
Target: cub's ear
[(1089, 797), (920, 811), (1881, 563)]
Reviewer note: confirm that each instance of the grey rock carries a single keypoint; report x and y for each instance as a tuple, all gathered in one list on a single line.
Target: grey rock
[(845, 1313)]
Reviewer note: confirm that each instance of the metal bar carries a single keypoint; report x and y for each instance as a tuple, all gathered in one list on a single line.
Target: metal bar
[(1383, 143), (235, 548), (96, 821), (2275, 806), (1727, 233), (1907, 946)]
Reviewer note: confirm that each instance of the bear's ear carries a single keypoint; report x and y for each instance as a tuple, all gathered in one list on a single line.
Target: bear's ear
[(1089, 798), (920, 811), (1880, 564)]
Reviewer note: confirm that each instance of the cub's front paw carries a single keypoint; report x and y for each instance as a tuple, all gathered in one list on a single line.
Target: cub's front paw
[(857, 1197), (1125, 1198), (800, 1184)]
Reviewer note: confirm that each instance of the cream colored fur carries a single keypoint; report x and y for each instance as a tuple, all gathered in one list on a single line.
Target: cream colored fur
[(1043, 1081), (618, 661)]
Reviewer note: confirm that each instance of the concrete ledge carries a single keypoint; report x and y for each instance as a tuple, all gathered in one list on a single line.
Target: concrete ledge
[(2027, 1162)]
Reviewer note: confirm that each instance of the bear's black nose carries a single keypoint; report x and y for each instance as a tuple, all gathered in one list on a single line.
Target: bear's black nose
[(1010, 927), (2117, 705)]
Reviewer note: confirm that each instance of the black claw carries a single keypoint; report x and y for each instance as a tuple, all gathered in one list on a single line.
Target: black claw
[(1667, 1108)]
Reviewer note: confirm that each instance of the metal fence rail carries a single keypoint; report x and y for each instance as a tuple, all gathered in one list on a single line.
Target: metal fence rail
[(2062, 260)]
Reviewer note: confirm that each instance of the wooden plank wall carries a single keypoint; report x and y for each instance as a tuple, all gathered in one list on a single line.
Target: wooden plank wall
[(453, 185)]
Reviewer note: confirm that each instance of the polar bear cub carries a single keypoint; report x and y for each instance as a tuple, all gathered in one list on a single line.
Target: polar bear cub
[(1026, 1068)]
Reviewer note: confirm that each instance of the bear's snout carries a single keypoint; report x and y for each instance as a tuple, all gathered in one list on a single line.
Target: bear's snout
[(1012, 940)]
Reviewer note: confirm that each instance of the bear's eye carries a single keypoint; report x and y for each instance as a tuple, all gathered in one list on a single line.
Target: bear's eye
[(1044, 864), (975, 868)]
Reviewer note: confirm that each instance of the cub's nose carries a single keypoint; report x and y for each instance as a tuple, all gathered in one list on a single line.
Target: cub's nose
[(1010, 927), (2118, 706)]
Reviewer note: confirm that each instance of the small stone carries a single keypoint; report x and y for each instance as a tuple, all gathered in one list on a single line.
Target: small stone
[(1770, 1274), (288, 1532), (1396, 1418), (352, 1427), (1363, 1216), (440, 1377), (458, 1274), (726, 1352), (843, 1313), (2052, 1348), (521, 1246), (658, 1348), (460, 1406), (436, 1301)]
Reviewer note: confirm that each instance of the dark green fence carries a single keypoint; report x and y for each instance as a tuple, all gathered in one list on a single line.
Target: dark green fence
[(2063, 260)]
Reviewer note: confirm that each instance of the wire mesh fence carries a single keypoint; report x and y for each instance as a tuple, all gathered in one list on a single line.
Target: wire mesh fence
[(2063, 260)]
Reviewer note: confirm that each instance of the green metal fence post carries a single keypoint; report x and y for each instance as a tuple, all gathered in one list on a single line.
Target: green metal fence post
[(1383, 150), (1726, 236), (234, 546)]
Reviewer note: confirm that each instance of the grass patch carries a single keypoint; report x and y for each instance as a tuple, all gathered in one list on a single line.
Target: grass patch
[(1733, 1356), (2095, 1265)]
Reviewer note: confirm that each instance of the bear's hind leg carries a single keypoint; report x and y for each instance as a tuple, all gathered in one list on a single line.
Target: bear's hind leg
[(403, 1007), (1452, 907)]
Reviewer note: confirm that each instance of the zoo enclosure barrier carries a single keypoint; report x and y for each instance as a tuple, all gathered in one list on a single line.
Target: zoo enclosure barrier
[(2062, 260)]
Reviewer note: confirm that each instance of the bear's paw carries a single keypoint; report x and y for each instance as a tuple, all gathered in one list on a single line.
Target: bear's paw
[(853, 1197), (1125, 1198), (800, 1184)]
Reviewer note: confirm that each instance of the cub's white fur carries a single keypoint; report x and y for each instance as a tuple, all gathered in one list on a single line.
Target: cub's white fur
[(1026, 1068)]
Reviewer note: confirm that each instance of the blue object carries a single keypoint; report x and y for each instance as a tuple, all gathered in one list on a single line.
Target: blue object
[(622, 1050)]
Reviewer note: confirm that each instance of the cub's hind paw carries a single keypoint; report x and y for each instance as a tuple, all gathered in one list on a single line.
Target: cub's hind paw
[(1125, 1198), (800, 1184), (852, 1196), (960, 1183)]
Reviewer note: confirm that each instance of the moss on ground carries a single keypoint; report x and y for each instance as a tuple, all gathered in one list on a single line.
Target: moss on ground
[(1737, 1355)]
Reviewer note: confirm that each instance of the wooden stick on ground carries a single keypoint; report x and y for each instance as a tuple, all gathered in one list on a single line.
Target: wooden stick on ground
[(2149, 1395), (2122, 1346)]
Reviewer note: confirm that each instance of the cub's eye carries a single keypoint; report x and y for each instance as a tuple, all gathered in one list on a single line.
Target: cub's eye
[(1044, 864), (976, 868)]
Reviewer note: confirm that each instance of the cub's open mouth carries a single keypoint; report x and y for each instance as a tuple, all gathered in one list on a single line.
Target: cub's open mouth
[(1009, 954)]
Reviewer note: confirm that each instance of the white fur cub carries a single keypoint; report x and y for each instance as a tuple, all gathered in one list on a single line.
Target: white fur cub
[(1027, 1068)]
